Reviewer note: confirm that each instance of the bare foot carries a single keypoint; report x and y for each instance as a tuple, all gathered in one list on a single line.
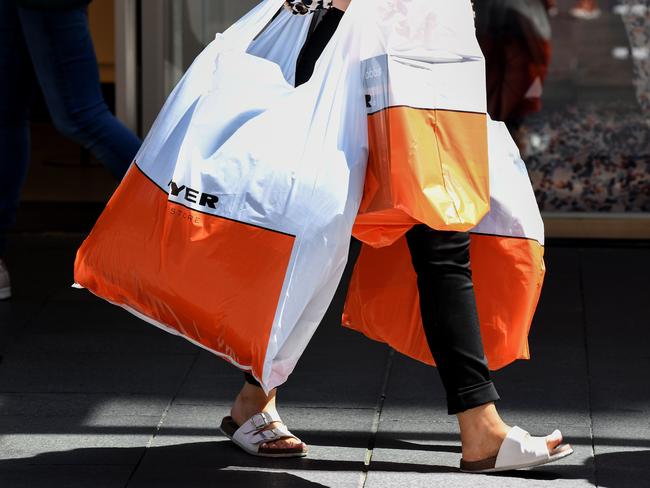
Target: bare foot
[(482, 432), (252, 400)]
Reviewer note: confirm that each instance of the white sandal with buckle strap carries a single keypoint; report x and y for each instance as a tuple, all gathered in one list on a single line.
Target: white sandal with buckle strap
[(518, 450), (255, 432)]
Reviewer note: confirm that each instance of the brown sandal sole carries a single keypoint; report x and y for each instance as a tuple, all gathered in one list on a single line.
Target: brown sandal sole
[(487, 465), (229, 427)]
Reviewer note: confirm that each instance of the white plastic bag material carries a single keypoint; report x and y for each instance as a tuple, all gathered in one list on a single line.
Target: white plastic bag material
[(232, 227), (507, 256), (237, 145), (513, 210)]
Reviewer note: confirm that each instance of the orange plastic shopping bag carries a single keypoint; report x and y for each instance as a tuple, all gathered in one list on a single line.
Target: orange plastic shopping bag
[(232, 226), (427, 133), (507, 256)]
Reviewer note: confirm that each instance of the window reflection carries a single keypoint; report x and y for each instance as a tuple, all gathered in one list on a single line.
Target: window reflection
[(192, 25), (571, 78), (577, 101)]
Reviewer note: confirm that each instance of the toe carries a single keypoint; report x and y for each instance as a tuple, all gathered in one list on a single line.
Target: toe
[(274, 445), (554, 440), (284, 444), (281, 444)]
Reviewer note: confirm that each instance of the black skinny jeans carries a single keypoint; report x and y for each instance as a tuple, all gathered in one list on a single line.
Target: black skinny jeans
[(442, 263)]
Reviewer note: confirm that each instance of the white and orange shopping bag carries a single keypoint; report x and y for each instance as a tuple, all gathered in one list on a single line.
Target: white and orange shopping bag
[(507, 256), (232, 226)]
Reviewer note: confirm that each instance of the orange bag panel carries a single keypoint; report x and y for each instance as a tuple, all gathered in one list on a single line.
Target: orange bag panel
[(383, 301), (187, 270), (425, 165)]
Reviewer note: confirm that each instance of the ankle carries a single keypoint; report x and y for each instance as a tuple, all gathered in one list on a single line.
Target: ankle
[(254, 394), (481, 417), (481, 431), (252, 400)]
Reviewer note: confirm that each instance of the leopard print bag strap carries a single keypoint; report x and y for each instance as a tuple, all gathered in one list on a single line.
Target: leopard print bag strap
[(303, 7)]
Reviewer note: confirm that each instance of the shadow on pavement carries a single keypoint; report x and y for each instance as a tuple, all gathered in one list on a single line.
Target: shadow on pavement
[(623, 469), (220, 463)]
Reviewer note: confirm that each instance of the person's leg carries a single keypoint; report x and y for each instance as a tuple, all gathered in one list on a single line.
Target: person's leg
[(252, 399), (450, 319), (63, 57), (16, 83)]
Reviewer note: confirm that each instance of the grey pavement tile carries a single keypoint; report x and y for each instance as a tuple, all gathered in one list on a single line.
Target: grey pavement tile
[(352, 381), (75, 295), (418, 445), (610, 390), (340, 368), (560, 312), (547, 420), (420, 453), (80, 405), (617, 311), (408, 437), (621, 467), (205, 477), (562, 267), (76, 343), (35, 476), (41, 265), (211, 381), (68, 327), (332, 433), (412, 384), (426, 477), (85, 383), (540, 391), (551, 387), (548, 362), (97, 373), (616, 295), (15, 313), (560, 259), (621, 429), (529, 392), (621, 335), (89, 316), (552, 415), (103, 440), (190, 424), (322, 377), (190, 442), (563, 333)]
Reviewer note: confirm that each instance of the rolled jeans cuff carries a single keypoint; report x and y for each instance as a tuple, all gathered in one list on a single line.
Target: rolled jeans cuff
[(472, 397)]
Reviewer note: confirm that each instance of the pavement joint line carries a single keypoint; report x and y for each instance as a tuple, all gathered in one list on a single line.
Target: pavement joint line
[(162, 419), (581, 285), (376, 420)]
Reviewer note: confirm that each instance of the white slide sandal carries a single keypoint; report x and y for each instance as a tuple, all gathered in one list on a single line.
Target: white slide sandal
[(518, 450), (255, 431)]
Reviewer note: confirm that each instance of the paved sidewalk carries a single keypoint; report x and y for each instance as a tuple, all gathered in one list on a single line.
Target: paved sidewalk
[(92, 397)]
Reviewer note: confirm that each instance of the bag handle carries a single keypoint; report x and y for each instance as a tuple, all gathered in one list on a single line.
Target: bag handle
[(241, 34), (351, 28)]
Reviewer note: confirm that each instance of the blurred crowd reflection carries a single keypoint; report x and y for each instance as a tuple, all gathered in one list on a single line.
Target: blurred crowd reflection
[(571, 79)]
